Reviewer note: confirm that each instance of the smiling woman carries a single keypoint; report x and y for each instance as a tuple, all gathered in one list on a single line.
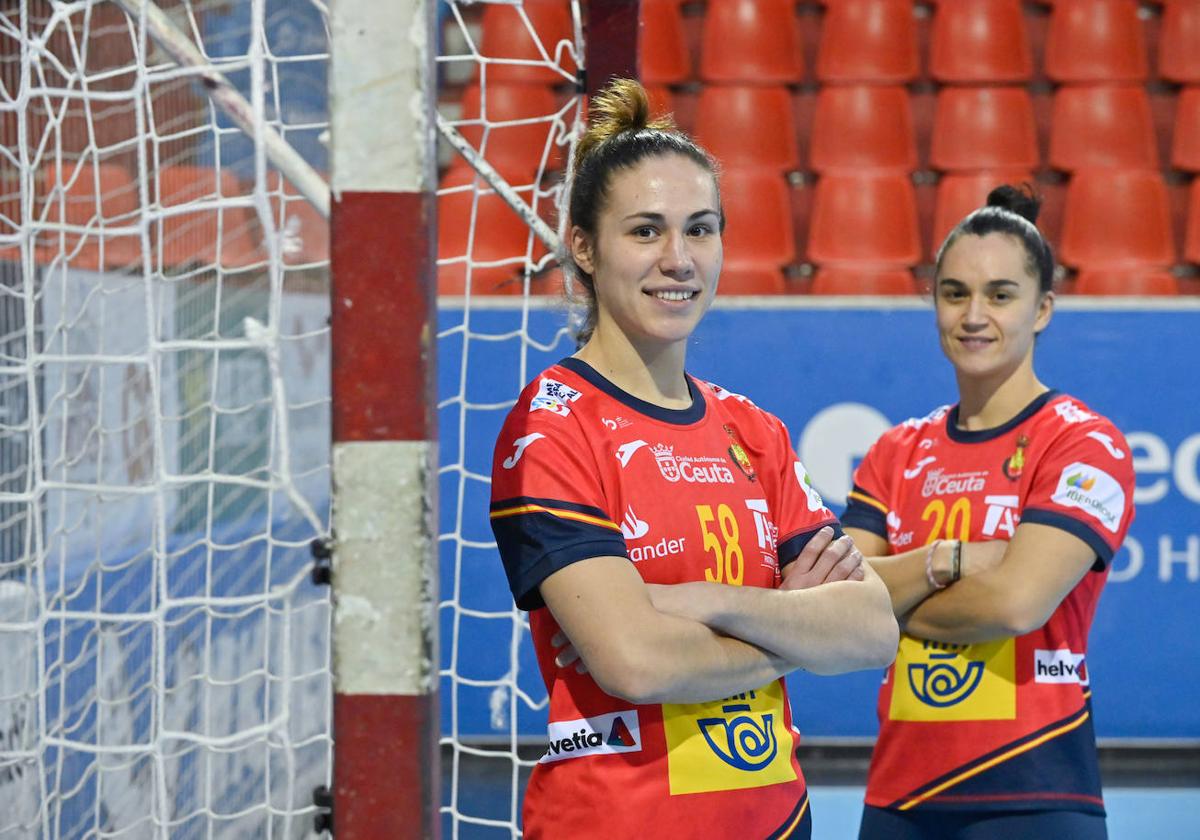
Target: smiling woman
[(643, 518), (653, 260), (1019, 495)]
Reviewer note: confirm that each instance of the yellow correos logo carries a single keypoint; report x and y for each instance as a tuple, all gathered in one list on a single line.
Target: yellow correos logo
[(741, 742), (938, 681)]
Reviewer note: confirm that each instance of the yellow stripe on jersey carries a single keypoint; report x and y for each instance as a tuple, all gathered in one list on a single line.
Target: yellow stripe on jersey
[(1000, 759), (559, 512), (787, 832), (865, 499)]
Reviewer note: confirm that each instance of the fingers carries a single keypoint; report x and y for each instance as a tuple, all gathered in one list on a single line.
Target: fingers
[(567, 655), (845, 568), (811, 553), (836, 560), (833, 557)]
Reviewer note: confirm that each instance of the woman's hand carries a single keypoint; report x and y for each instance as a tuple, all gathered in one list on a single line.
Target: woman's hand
[(566, 653), (823, 560)]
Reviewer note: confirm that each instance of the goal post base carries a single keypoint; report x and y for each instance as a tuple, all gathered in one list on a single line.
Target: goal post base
[(386, 774)]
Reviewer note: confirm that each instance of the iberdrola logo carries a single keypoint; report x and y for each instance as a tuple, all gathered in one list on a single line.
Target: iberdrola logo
[(1016, 462), (1081, 481), (739, 456)]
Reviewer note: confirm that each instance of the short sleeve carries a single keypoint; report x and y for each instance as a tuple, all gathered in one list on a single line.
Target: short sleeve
[(868, 503), (800, 511), (1084, 485), (548, 505)]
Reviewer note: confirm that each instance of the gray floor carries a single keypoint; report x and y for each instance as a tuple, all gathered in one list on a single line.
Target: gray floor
[(1150, 793)]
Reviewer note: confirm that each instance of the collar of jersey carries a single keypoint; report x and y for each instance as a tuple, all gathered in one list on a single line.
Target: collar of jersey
[(676, 416), (980, 435)]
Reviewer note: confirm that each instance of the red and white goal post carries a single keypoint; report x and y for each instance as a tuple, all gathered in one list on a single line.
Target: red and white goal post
[(181, 334), (384, 458)]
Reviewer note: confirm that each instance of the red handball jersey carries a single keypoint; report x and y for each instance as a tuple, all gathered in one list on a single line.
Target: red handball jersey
[(1006, 724), (713, 492)]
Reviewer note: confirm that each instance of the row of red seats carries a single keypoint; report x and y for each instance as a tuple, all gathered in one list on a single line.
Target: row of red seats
[(865, 126), (855, 128), (867, 280), (972, 41), (1113, 221), (104, 199)]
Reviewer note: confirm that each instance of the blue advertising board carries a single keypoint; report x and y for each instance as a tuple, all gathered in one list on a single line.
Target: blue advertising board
[(838, 375)]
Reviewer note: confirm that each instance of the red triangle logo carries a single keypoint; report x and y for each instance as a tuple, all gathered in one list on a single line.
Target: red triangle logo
[(620, 735)]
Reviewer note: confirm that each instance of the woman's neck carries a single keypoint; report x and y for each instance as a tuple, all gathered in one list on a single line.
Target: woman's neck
[(988, 403), (652, 374)]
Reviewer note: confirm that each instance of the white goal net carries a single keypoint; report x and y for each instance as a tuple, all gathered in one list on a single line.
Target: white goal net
[(507, 84), (164, 426)]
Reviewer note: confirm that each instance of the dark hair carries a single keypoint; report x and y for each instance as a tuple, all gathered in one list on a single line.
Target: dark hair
[(1013, 211), (620, 135)]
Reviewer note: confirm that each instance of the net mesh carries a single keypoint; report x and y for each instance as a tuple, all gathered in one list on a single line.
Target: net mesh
[(164, 659), (507, 83)]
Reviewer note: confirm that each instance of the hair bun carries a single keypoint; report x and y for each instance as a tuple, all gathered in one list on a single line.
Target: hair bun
[(622, 106), (1021, 200)]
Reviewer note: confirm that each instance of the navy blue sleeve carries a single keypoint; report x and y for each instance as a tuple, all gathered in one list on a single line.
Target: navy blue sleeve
[(790, 548), (866, 512), (537, 537)]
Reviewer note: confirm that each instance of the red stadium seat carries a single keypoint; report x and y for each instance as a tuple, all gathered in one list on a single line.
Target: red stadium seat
[(512, 148), (748, 280), (751, 41), (864, 219), (984, 128), (98, 197), (499, 235), (1185, 146), (1143, 282), (1178, 56), (758, 218), (850, 280), (872, 41), (1096, 41), (507, 37), (224, 237), (748, 126), (1098, 126), (1117, 218), (663, 44), (980, 42), (1191, 246), (863, 127), (661, 100), (960, 193)]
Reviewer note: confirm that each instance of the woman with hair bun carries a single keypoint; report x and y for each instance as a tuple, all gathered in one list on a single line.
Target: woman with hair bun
[(643, 517), (985, 717)]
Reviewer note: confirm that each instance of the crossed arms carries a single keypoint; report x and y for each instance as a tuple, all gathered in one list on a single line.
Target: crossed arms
[(1007, 588), (696, 642)]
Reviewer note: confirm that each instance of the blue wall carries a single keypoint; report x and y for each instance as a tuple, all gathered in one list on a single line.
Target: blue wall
[(853, 369)]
